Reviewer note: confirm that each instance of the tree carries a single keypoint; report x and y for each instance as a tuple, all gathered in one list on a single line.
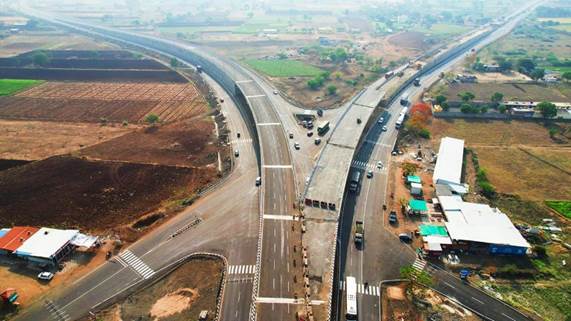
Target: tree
[(526, 65), (537, 74), (552, 132), (497, 97), (313, 84), (152, 119), (502, 108), (331, 90), (506, 65), (466, 96), (547, 109), (484, 109), (468, 109), (174, 62), (440, 99), (40, 58), (566, 75), (408, 168)]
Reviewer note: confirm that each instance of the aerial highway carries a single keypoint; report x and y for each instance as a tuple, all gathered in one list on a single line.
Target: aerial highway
[(274, 263), (383, 253)]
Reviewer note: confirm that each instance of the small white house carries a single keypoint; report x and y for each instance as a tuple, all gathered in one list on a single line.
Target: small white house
[(415, 189)]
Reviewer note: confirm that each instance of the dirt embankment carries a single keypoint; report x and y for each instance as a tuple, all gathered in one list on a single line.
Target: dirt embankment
[(180, 296), (96, 196)]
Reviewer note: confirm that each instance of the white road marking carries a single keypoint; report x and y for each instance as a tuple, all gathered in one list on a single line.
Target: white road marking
[(507, 316), (244, 81), (280, 217), (255, 96), (268, 124), (287, 301), (473, 298), (370, 290), (278, 166), (358, 164), (450, 285), (241, 269), (137, 264)]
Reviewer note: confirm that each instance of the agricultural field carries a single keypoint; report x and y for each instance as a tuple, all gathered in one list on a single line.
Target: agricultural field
[(96, 196), (188, 143), (35, 140), (561, 207), (443, 30), (511, 91), (284, 68), (11, 86), (519, 157), (103, 102), (180, 296)]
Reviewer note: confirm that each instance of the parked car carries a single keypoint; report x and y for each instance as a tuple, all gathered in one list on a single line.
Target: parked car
[(309, 133), (45, 276), (379, 164), (317, 141), (221, 100), (296, 145), (258, 181), (276, 92), (290, 135), (236, 153), (381, 120), (369, 174), (384, 128), (405, 237), (393, 217), (238, 134)]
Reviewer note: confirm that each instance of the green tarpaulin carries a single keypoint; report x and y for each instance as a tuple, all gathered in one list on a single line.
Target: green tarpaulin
[(418, 205), (413, 179), (426, 230)]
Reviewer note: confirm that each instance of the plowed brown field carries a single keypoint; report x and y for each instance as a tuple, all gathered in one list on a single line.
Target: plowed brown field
[(91, 195), (94, 102)]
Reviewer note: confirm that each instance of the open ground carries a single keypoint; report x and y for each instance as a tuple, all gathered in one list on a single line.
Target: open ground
[(180, 296)]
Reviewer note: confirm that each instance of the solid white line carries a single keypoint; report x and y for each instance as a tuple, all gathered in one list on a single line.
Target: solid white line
[(473, 298), (286, 301), (450, 285), (279, 217), (277, 166), (255, 96), (268, 124), (243, 81), (507, 316)]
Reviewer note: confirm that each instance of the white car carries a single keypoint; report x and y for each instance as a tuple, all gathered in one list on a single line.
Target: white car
[(45, 276), (379, 164), (296, 145), (276, 92), (384, 128), (381, 120)]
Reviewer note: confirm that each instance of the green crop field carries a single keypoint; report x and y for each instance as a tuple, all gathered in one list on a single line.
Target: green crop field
[(561, 207), (10, 86), (284, 68)]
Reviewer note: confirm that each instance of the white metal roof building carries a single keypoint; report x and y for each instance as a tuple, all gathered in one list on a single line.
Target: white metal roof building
[(448, 167), (47, 245), (473, 222)]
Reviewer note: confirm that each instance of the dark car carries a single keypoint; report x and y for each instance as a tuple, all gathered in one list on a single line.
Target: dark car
[(405, 237), (393, 217)]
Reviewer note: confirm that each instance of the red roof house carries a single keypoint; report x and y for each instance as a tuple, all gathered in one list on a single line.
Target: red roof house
[(12, 240)]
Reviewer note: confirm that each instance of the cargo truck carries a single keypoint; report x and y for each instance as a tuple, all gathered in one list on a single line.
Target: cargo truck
[(359, 233)]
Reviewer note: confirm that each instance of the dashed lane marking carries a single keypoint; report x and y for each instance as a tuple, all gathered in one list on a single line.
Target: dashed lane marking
[(241, 269), (137, 264), (361, 289), (479, 301)]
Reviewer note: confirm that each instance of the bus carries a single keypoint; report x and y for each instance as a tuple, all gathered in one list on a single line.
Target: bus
[(400, 120), (351, 289), (355, 181), (322, 128)]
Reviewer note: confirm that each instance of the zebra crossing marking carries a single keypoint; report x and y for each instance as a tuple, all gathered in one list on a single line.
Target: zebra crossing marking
[(369, 290), (241, 141), (419, 265), (136, 263), (362, 165), (241, 269), (56, 311)]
